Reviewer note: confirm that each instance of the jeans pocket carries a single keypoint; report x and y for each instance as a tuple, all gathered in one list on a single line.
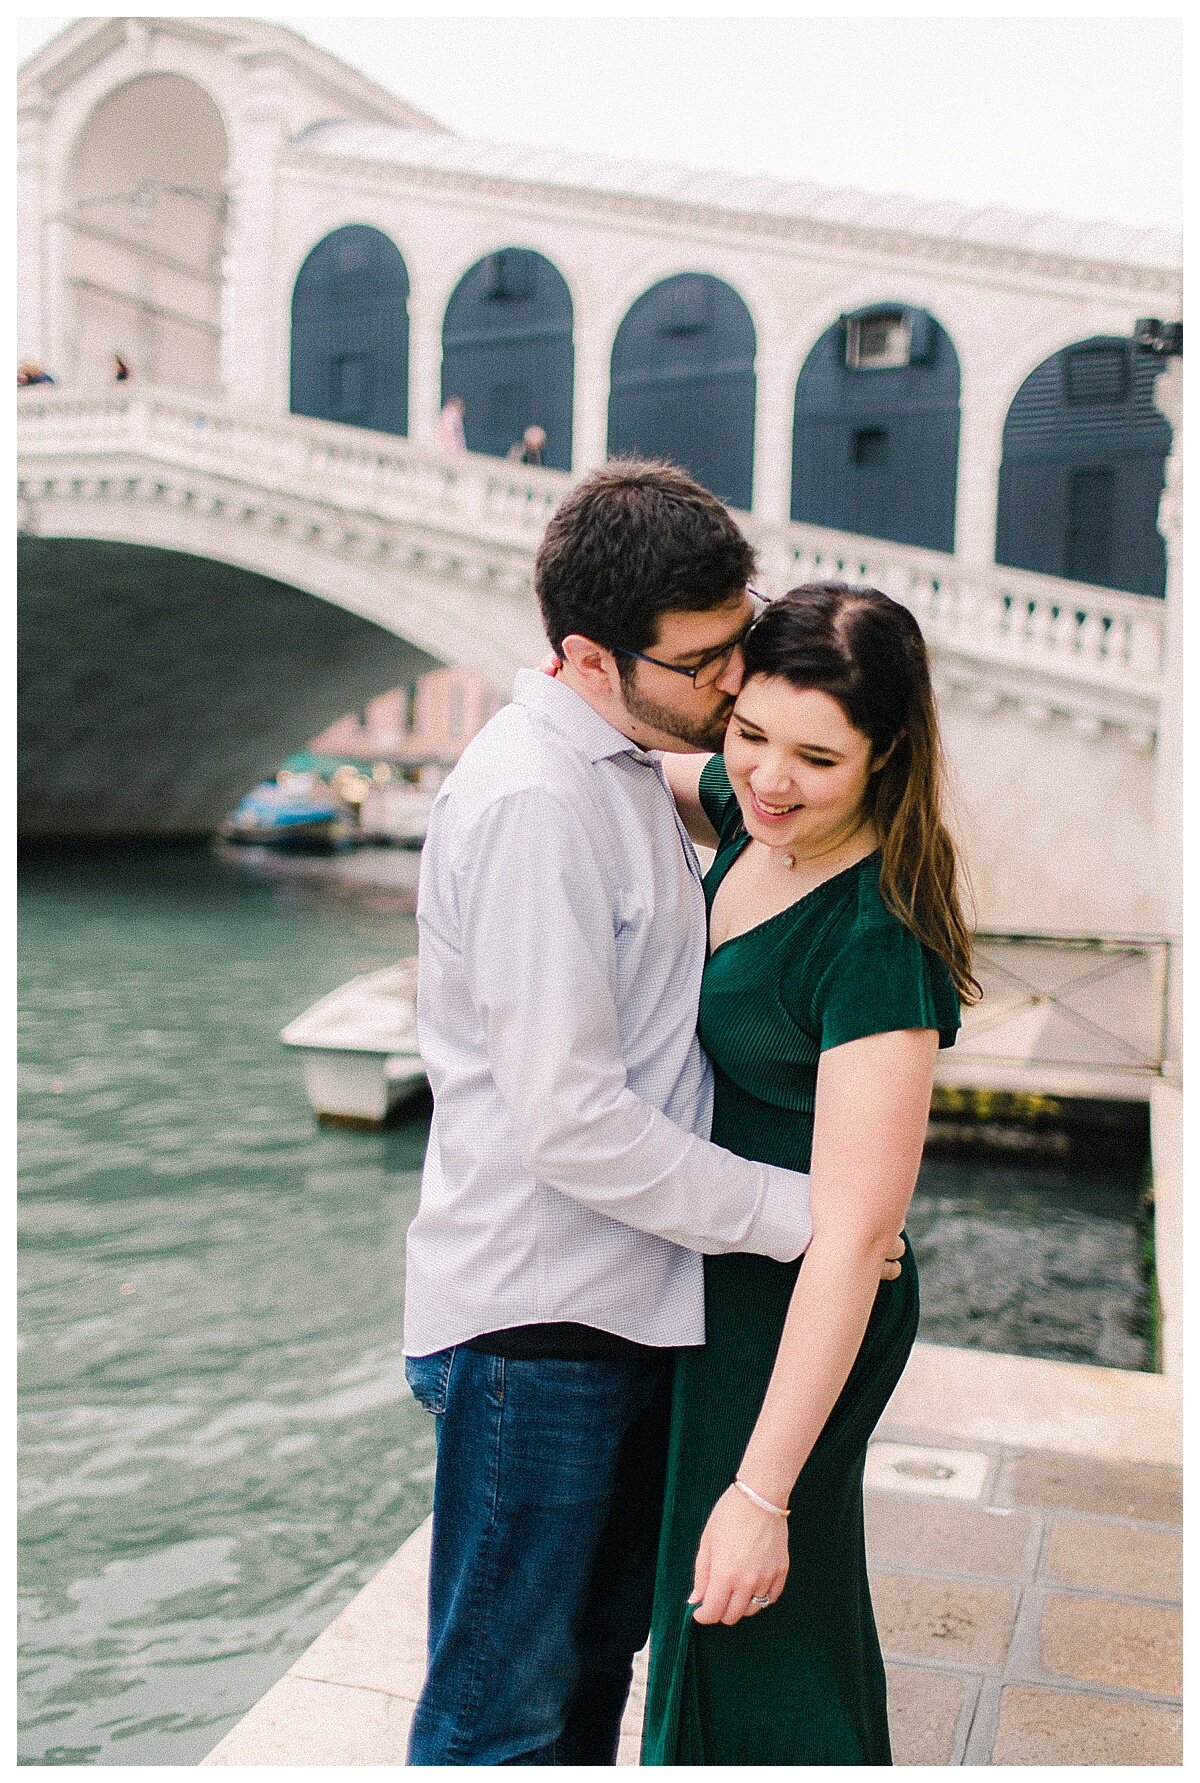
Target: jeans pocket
[(429, 1379)]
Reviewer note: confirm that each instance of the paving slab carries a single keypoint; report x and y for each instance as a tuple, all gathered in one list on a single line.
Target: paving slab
[(924, 1711), (944, 1619), (1101, 1640), (1127, 1559), (939, 1535), (1101, 1487), (382, 1645), (982, 1397), (302, 1721), (1048, 1727)]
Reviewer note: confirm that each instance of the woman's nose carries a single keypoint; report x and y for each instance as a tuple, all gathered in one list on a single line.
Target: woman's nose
[(771, 782)]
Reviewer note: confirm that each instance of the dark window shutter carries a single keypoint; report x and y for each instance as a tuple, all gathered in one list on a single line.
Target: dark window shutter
[(1089, 540), (870, 446), (687, 306), (351, 386), (512, 275), (1096, 375)]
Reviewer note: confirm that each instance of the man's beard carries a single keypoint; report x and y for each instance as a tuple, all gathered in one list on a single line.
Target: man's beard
[(706, 734)]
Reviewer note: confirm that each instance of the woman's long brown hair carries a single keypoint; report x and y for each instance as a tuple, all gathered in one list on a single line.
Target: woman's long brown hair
[(866, 651)]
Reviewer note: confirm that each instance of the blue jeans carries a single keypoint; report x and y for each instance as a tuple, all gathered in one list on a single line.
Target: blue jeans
[(546, 1511)]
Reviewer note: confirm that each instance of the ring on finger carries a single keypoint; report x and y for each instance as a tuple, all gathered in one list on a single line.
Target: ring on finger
[(762, 1603)]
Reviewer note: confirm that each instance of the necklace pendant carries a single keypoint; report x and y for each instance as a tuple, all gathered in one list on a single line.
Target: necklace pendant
[(789, 860)]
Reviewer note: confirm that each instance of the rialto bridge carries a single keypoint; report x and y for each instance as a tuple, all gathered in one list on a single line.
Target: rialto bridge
[(259, 531)]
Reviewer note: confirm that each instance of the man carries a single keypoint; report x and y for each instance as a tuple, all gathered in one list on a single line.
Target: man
[(568, 1183), (529, 448)]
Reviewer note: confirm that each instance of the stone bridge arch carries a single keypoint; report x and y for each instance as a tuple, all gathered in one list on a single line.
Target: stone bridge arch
[(158, 685)]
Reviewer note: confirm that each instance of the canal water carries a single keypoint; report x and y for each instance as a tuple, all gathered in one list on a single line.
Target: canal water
[(217, 1445)]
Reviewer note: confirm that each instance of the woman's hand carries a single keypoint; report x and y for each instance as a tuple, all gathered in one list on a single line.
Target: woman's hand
[(743, 1553)]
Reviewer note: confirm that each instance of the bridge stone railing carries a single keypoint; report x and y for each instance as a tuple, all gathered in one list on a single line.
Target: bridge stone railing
[(1074, 628), (348, 465), (1094, 653)]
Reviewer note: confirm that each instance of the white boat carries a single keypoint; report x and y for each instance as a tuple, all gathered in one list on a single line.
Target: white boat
[(359, 1047), (396, 813)]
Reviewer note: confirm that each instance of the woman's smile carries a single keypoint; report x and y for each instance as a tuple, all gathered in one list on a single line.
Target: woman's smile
[(771, 811)]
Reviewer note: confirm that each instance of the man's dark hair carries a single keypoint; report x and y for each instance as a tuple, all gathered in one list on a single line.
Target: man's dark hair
[(636, 539)]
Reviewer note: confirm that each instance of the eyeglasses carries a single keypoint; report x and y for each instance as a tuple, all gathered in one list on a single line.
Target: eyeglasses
[(716, 662)]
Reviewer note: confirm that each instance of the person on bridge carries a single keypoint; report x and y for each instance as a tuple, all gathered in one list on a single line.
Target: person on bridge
[(451, 432), (529, 448), (29, 373), (121, 369)]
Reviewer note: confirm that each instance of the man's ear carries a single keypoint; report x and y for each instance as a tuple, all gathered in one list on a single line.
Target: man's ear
[(595, 666)]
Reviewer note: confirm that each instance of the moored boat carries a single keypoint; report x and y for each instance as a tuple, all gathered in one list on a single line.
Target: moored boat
[(295, 813), (359, 1047), (395, 812)]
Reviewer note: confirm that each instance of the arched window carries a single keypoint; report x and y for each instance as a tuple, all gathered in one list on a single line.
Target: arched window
[(350, 332), (875, 440), (146, 209), (508, 351), (1082, 471), (682, 383)]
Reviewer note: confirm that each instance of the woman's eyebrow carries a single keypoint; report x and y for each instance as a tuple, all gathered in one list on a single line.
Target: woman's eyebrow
[(801, 748)]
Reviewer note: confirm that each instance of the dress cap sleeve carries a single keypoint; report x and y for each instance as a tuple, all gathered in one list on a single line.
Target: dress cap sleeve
[(881, 980), (719, 800)]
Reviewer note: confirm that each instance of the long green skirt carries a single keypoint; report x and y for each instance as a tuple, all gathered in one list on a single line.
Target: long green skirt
[(802, 1682)]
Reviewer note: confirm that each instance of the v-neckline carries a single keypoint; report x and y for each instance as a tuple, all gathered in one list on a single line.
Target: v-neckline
[(736, 852)]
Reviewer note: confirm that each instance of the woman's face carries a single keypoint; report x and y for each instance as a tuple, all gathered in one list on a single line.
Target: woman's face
[(798, 766)]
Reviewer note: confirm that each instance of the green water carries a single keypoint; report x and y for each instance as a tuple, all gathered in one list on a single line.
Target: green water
[(218, 1448)]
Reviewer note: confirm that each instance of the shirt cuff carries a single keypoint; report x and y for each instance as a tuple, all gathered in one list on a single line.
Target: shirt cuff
[(783, 1226)]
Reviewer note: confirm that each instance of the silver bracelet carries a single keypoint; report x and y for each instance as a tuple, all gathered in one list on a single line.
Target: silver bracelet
[(764, 1504)]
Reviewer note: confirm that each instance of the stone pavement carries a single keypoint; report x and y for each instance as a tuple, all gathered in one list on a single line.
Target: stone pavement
[(1027, 1596)]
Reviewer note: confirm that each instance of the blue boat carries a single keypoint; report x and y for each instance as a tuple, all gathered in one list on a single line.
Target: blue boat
[(297, 813)]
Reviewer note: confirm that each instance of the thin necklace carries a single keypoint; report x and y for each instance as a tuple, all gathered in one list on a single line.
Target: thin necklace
[(789, 858)]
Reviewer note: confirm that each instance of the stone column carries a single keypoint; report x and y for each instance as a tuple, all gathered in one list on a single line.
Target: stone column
[(593, 352), (31, 271), (254, 340), (980, 444), (774, 415), (1168, 397), (424, 371), (1166, 1106)]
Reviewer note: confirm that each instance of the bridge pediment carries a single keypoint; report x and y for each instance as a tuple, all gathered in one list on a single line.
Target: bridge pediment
[(93, 55)]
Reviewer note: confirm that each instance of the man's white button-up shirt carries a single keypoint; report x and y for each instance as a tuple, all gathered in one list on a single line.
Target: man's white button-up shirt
[(562, 941)]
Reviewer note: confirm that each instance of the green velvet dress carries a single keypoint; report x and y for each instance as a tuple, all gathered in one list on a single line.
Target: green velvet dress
[(802, 1682)]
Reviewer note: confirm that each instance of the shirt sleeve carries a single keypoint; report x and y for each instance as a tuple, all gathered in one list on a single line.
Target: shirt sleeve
[(539, 956), (719, 800), (882, 980)]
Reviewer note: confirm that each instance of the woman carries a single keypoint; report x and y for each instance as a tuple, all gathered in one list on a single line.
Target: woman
[(838, 954)]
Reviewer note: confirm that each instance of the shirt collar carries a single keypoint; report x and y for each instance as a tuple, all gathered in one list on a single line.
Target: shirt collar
[(569, 713)]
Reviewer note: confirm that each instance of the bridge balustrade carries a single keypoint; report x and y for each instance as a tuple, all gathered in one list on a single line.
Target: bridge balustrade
[(1091, 637)]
